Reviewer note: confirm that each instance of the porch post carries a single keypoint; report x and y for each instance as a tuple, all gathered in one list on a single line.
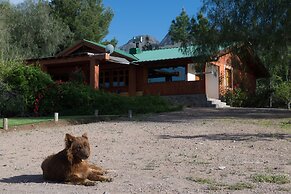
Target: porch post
[(94, 74), (132, 80)]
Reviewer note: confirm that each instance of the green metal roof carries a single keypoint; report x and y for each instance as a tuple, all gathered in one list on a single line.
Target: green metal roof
[(115, 50), (151, 55), (160, 54)]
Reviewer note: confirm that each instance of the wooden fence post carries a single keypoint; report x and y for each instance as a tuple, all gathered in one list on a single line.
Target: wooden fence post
[(56, 117), (130, 114), (96, 113), (5, 124)]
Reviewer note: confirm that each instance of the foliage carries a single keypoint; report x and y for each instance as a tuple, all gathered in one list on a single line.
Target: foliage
[(11, 103), (23, 82), (283, 92), (147, 104), (263, 25), (194, 34), (236, 98), (7, 49), (73, 98), (114, 42), (33, 30), (86, 19)]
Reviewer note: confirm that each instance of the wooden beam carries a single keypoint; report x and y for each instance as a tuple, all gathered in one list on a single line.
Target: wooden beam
[(94, 74), (69, 59)]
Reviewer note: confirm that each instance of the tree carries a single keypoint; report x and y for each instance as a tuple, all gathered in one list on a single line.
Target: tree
[(7, 49), (195, 34), (34, 31), (87, 19), (262, 24)]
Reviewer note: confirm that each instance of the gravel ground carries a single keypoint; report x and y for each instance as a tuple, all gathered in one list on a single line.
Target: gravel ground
[(197, 150)]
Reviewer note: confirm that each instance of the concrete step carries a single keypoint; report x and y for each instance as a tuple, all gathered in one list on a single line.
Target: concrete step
[(217, 103)]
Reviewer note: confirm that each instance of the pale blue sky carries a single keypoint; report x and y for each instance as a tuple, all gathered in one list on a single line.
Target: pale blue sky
[(136, 17)]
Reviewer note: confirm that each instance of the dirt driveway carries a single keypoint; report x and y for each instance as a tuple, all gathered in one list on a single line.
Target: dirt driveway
[(192, 151)]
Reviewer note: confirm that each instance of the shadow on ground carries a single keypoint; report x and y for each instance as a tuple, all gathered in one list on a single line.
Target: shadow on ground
[(34, 178), (214, 113), (233, 137)]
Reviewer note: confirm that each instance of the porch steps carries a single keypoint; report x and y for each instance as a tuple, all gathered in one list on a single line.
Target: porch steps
[(217, 103)]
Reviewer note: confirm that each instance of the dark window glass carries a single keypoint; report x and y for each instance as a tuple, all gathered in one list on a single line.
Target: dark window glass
[(167, 74)]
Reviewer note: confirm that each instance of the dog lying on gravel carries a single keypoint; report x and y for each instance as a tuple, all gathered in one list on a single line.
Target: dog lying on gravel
[(70, 165)]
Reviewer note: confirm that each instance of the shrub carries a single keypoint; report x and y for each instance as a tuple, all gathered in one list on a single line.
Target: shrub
[(283, 92), (19, 85), (27, 81), (11, 103), (73, 98), (237, 98), (147, 104)]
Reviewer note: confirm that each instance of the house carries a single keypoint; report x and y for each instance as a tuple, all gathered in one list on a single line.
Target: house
[(165, 72)]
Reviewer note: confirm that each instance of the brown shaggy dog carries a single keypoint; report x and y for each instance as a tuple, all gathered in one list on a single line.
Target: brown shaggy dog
[(70, 165)]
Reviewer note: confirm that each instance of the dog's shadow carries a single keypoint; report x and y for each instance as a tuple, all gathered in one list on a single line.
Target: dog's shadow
[(32, 178)]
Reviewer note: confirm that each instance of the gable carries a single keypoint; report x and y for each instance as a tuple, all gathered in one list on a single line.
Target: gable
[(85, 46)]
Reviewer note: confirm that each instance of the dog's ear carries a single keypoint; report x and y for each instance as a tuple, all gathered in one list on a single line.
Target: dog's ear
[(85, 135), (69, 139)]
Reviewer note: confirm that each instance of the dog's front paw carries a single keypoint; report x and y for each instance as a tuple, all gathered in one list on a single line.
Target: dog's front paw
[(89, 183), (108, 179)]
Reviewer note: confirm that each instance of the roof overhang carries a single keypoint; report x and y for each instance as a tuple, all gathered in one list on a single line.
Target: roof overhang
[(98, 57)]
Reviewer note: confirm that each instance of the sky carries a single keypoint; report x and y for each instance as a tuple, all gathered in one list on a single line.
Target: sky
[(140, 17)]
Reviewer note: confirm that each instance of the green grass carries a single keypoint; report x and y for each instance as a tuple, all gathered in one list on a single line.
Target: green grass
[(34, 120), (25, 121), (286, 125), (277, 179)]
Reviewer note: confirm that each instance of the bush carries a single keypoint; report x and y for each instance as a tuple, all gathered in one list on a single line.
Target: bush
[(11, 103), (147, 104), (236, 98), (283, 92), (19, 86), (77, 99), (27, 81)]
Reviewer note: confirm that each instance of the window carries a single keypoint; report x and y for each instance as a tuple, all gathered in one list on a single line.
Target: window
[(166, 74), (228, 78), (104, 79), (115, 78)]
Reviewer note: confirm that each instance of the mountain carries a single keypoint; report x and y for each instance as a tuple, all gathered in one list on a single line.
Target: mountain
[(167, 42), (146, 41), (150, 43)]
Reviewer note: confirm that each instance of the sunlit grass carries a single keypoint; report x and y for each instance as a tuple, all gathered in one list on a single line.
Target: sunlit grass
[(17, 121), (25, 121), (278, 179)]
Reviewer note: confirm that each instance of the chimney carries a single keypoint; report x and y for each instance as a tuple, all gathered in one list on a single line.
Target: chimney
[(134, 51), (137, 40)]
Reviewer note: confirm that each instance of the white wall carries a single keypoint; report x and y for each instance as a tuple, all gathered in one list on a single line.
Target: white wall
[(212, 81)]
